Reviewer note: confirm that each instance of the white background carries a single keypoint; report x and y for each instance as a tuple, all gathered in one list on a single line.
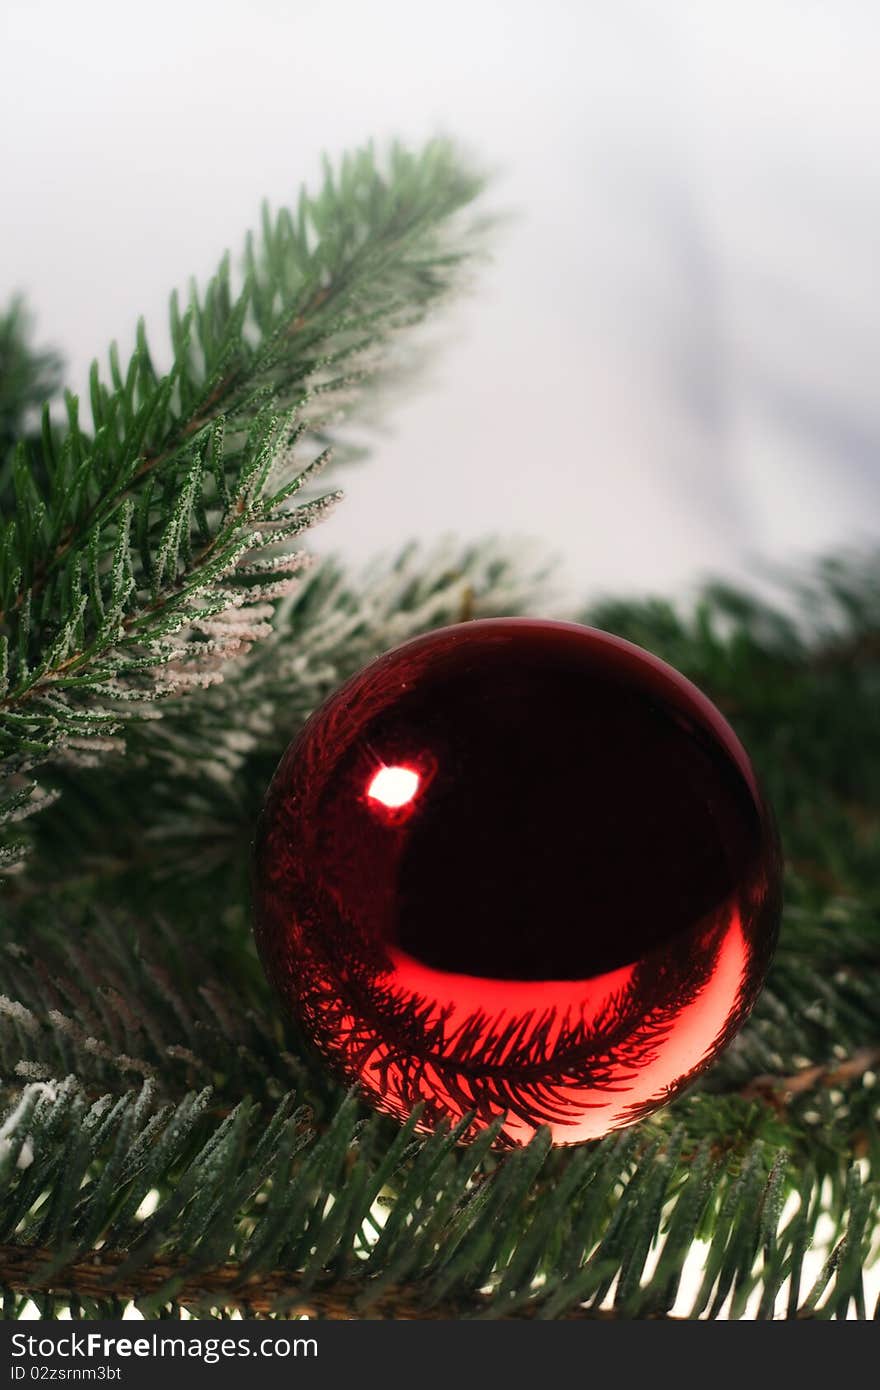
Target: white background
[(671, 366)]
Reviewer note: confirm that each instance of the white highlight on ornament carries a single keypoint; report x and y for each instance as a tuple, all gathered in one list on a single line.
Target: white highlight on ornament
[(394, 786)]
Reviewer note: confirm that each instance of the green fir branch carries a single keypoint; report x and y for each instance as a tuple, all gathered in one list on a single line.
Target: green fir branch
[(266, 1215), (137, 555)]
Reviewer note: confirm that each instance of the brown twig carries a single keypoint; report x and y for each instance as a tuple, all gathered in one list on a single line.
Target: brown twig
[(23, 1269), (778, 1090)]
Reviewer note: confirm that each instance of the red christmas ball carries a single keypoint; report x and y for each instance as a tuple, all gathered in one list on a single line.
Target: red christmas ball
[(518, 868)]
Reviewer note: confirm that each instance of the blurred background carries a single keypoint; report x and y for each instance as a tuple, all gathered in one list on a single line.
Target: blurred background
[(668, 370)]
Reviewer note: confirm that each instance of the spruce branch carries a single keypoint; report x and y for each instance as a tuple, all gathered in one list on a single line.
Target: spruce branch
[(363, 258), (219, 1213), (138, 555)]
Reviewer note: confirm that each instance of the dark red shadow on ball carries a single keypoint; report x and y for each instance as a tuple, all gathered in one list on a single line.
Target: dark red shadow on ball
[(519, 868)]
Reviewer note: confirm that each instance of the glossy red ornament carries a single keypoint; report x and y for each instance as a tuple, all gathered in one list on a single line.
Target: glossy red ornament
[(518, 867)]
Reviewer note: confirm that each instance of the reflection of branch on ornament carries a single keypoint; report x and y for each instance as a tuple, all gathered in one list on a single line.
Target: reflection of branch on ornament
[(517, 868)]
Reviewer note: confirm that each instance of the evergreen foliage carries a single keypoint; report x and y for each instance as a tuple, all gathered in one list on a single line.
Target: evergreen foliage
[(168, 1139)]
